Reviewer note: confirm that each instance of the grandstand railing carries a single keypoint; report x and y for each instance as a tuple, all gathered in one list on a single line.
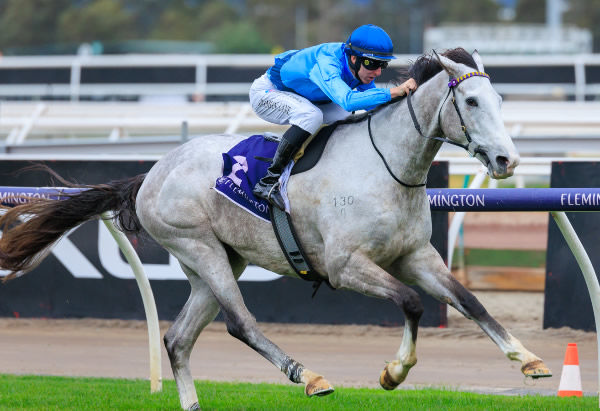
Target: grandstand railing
[(538, 128), (201, 87)]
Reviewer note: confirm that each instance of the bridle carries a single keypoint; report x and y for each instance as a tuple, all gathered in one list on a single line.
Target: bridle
[(471, 147)]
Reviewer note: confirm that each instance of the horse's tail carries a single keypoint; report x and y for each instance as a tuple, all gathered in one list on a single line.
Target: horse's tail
[(30, 230)]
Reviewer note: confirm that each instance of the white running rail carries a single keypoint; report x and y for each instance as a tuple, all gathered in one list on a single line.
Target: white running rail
[(540, 128)]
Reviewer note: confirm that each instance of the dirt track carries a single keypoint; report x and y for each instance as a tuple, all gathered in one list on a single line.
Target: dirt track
[(460, 356), (506, 230)]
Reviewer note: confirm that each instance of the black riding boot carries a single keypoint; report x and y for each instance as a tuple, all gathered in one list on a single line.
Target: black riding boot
[(268, 186)]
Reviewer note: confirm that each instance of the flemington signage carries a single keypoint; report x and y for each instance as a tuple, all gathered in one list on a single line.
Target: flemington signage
[(580, 199), (524, 199), (456, 200), (20, 198)]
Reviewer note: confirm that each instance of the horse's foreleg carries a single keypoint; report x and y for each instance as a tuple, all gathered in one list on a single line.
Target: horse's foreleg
[(468, 305), (427, 268), (199, 310), (396, 371), (362, 275), (211, 263)]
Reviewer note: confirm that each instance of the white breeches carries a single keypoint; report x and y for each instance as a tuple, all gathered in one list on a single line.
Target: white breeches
[(284, 107)]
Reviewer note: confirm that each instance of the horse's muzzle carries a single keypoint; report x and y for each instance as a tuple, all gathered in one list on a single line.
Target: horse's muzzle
[(503, 166)]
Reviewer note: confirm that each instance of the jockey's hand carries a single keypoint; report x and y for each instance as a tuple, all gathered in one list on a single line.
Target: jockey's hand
[(404, 88)]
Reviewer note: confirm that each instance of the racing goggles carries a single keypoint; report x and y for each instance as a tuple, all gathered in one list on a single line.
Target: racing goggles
[(371, 64)]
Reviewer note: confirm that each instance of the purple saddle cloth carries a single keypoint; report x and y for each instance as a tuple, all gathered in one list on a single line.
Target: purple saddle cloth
[(241, 172)]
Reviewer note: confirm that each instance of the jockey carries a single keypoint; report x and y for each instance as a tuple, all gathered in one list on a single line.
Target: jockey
[(319, 85)]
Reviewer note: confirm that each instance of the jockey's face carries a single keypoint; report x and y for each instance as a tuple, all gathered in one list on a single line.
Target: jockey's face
[(364, 75)]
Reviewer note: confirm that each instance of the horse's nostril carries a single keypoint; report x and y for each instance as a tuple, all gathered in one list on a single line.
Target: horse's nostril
[(502, 161)]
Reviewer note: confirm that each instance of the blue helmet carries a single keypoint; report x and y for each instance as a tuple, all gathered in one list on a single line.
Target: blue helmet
[(370, 41)]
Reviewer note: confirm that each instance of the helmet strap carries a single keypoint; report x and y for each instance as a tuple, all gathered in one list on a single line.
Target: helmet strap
[(354, 66)]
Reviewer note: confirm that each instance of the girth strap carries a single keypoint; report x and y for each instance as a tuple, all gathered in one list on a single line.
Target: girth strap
[(288, 241)]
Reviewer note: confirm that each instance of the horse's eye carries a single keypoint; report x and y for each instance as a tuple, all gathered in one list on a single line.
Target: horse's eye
[(472, 101)]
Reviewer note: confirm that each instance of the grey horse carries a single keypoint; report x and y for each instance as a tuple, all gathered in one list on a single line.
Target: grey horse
[(377, 244)]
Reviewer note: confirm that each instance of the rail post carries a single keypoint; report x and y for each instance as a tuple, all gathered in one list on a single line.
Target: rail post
[(589, 274), (147, 298)]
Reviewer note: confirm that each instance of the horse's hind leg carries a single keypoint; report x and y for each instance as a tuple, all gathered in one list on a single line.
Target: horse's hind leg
[(209, 260), (199, 310), (362, 275), (427, 268)]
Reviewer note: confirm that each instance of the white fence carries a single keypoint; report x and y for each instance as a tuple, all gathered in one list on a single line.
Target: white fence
[(42, 120), (539, 128), (200, 87)]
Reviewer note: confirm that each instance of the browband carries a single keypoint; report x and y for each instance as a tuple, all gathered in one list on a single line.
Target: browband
[(455, 81)]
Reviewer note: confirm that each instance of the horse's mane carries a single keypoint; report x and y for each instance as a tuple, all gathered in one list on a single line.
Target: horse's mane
[(427, 66), (421, 70)]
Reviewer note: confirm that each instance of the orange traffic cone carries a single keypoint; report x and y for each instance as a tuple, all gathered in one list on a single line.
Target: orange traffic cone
[(570, 379)]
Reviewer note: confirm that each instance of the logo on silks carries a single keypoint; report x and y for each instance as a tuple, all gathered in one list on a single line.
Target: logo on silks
[(241, 172)]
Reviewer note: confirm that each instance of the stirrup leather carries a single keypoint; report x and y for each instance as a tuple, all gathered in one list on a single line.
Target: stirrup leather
[(273, 187)]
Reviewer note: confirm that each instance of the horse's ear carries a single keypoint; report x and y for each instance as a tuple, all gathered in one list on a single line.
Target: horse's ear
[(478, 61), (448, 65)]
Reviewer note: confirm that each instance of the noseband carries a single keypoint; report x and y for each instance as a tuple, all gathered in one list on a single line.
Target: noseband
[(471, 147)]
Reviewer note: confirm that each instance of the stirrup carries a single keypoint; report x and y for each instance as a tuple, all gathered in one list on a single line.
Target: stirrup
[(276, 198), (273, 187)]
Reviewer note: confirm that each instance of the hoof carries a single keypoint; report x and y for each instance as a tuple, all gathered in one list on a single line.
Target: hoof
[(195, 406), (536, 369), (386, 381), (318, 386), (390, 380)]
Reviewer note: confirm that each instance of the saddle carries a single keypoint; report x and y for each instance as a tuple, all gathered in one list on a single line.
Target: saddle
[(311, 151)]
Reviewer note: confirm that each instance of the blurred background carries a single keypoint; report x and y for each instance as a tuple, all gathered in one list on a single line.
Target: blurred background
[(50, 27), (194, 50)]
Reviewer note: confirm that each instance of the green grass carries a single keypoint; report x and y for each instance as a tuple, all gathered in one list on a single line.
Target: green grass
[(503, 258), (61, 393)]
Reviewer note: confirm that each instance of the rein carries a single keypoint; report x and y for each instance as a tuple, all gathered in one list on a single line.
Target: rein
[(471, 147), (385, 162)]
